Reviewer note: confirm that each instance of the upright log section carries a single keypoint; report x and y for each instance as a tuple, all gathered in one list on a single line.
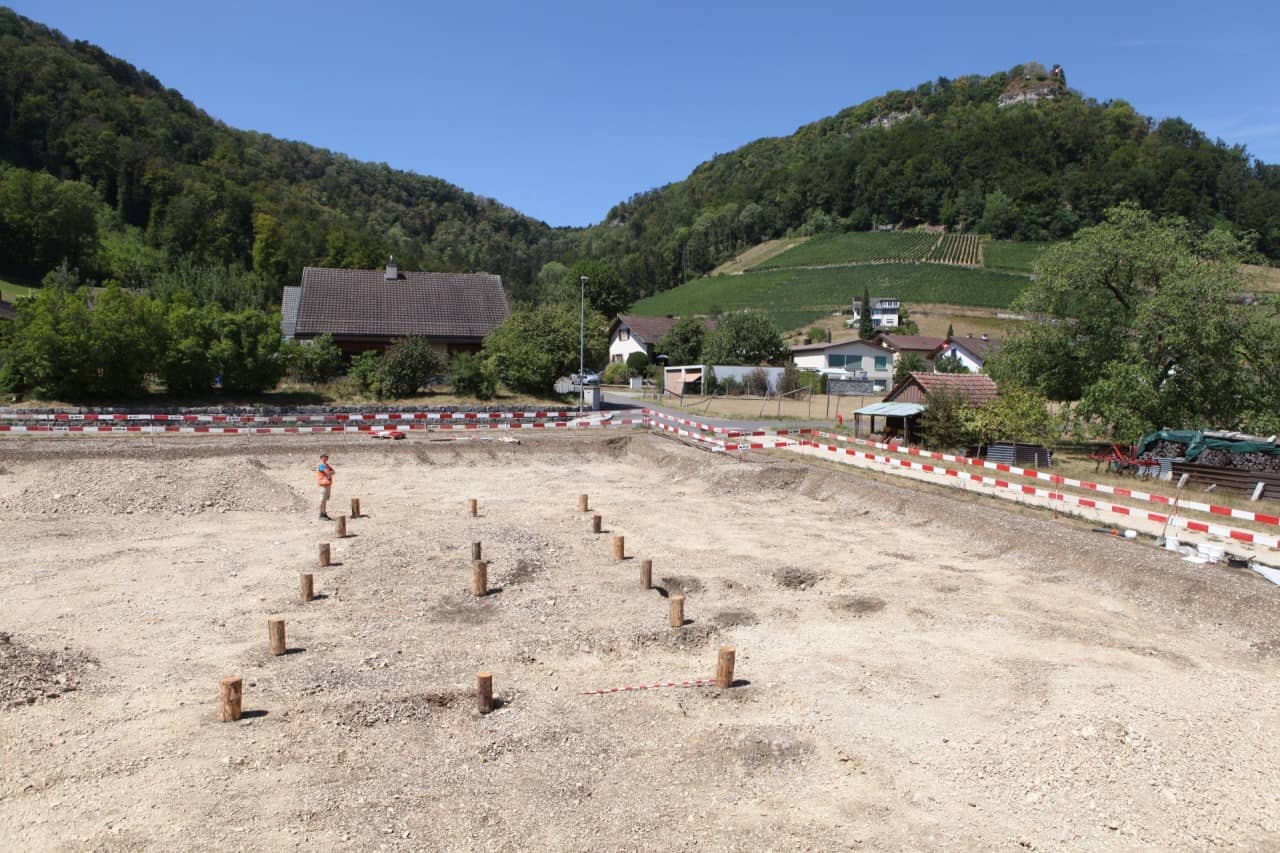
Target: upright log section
[(230, 694), (484, 692), (724, 667), (275, 635), (306, 585)]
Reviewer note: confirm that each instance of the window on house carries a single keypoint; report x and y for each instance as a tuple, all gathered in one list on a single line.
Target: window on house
[(624, 334), (837, 360), (882, 362)]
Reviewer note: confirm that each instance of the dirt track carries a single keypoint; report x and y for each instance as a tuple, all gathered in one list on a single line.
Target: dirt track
[(917, 669)]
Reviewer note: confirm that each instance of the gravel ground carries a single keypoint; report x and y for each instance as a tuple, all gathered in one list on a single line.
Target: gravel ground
[(916, 669)]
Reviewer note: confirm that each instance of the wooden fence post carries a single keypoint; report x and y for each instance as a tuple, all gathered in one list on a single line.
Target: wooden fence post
[(355, 507), (595, 523), (324, 555), (230, 694), (474, 507), (724, 667), (475, 551), (340, 527), (479, 578), (484, 691), (677, 611), (646, 574), (619, 548), (582, 503), (275, 634), (307, 586)]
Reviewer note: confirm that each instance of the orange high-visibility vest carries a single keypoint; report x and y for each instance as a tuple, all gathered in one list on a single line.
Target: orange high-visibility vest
[(324, 475)]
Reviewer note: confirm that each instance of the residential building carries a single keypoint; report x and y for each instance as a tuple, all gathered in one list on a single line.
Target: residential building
[(630, 333), (371, 309), (976, 389), (970, 351), (858, 357), (884, 312)]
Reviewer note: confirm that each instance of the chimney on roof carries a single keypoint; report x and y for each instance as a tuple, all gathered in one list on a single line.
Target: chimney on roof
[(392, 272)]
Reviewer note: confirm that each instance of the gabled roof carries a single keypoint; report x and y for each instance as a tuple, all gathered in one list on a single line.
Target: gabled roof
[(913, 343), (363, 303), (289, 311), (974, 388), (977, 347), (826, 345), (650, 330)]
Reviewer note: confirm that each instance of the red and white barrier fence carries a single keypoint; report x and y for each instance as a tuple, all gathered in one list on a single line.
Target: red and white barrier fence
[(1032, 473), (841, 453)]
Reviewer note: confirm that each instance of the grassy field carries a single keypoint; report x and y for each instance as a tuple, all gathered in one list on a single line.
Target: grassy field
[(10, 290), (905, 247), (1012, 255), (853, 247), (795, 297)]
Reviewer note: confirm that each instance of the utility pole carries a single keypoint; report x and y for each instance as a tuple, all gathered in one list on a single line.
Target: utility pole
[(582, 340)]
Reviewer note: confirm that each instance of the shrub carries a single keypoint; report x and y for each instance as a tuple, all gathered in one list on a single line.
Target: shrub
[(364, 370), (945, 421), (616, 373), (818, 334), (637, 362), (474, 375), (318, 360), (757, 382), (409, 365)]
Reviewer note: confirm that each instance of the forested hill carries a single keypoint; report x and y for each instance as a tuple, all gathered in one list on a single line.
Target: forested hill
[(102, 165), (1016, 154)]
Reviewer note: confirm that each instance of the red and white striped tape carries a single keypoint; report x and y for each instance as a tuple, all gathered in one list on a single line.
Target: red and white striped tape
[(304, 430), (636, 688), (335, 417), (1032, 473), (842, 453)]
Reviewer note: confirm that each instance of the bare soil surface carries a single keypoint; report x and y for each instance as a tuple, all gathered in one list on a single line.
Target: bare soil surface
[(915, 669)]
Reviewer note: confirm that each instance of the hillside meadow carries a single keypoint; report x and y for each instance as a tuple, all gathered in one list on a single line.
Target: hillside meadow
[(794, 297)]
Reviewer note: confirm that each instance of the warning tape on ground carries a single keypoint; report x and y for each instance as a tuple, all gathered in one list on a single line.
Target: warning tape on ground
[(717, 444), (636, 688), (727, 432), (842, 453), (1102, 488)]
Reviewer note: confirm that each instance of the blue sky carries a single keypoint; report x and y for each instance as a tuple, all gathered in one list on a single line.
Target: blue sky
[(562, 109)]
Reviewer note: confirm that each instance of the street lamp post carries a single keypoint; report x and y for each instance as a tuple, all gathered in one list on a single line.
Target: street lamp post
[(582, 341)]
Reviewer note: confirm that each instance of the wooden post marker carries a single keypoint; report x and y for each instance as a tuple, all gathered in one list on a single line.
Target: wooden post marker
[(479, 578), (355, 507), (484, 691), (595, 523), (677, 611), (724, 667), (582, 503), (474, 507), (340, 527), (619, 547), (230, 692), (324, 555), (275, 634), (475, 551), (646, 574), (306, 584)]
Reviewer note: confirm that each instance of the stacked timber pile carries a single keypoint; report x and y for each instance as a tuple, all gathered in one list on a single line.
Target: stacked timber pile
[(1260, 462)]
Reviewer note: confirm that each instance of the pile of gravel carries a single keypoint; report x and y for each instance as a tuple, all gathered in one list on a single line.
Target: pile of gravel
[(28, 675)]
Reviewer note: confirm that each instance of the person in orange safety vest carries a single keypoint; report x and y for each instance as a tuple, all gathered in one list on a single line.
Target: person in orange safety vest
[(324, 476)]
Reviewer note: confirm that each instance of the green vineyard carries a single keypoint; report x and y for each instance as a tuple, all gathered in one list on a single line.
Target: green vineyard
[(881, 247)]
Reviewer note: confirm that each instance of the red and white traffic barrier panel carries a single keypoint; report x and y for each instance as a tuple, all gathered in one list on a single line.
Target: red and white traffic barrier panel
[(843, 453), (330, 417), (636, 688), (304, 430), (1032, 473)]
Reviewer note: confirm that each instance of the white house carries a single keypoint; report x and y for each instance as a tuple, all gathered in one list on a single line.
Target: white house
[(629, 333), (970, 351), (884, 312), (856, 356)]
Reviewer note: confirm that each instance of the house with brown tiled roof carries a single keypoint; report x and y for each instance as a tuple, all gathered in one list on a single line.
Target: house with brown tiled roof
[(371, 309), (976, 389), (630, 333), (970, 351)]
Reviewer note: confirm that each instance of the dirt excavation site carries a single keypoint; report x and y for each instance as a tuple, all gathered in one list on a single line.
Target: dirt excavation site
[(914, 669)]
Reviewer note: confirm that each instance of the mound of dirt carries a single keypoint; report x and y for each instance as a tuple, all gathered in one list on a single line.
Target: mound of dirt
[(126, 486), (858, 605), (28, 675), (796, 578)]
